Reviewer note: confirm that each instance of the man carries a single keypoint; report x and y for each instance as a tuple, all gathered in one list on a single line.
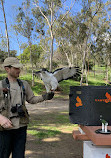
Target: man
[(13, 113)]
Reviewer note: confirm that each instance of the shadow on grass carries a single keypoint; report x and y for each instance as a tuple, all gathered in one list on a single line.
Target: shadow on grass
[(50, 135)]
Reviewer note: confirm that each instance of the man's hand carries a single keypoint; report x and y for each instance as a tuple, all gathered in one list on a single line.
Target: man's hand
[(5, 122), (48, 96)]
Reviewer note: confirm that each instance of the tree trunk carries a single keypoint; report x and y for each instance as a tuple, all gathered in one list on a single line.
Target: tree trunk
[(51, 54), (30, 44), (86, 74), (107, 76), (68, 60), (83, 64), (52, 37), (94, 67), (6, 30)]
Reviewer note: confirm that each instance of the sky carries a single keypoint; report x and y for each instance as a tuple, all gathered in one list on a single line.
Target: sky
[(10, 12), (10, 15)]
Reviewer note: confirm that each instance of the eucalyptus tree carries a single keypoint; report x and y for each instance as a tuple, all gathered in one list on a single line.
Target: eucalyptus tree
[(6, 29), (3, 44), (90, 13), (70, 37), (102, 37), (25, 26), (47, 13), (78, 30), (103, 47)]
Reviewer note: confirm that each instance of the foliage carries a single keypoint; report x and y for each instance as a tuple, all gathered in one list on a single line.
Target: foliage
[(2, 75), (4, 55), (71, 35), (37, 55), (24, 23), (55, 65)]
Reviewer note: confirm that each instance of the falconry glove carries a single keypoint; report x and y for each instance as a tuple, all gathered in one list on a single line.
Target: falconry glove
[(48, 96)]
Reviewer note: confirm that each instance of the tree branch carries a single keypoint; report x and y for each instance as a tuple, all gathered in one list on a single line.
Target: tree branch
[(43, 14), (66, 13)]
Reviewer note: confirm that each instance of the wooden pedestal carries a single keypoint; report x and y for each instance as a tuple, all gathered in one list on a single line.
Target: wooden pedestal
[(94, 145)]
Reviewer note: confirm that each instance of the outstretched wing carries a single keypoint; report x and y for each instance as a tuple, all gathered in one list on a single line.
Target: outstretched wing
[(66, 73)]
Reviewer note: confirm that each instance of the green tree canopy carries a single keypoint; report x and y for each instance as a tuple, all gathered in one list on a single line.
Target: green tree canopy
[(37, 55)]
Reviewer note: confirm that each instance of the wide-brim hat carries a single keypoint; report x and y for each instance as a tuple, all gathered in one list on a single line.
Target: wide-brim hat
[(12, 61)]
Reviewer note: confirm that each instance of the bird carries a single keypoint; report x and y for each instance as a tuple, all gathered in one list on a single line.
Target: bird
[(51, 79)]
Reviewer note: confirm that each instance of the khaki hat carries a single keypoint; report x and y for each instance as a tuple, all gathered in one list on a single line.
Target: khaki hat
[(12, 61)]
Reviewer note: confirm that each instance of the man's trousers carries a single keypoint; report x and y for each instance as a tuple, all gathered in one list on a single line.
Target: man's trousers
[(13, 141)]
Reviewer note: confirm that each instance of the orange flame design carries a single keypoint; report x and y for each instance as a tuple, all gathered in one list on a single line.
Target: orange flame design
[(79, 102), (107, 100)]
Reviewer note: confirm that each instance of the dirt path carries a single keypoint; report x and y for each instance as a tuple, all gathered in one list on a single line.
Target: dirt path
[(64, 146)]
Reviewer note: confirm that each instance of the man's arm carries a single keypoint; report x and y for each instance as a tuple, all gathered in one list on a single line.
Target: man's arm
[(31, 98)]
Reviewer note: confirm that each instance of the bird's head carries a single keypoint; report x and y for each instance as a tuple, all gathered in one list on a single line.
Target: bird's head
[(43, 70)]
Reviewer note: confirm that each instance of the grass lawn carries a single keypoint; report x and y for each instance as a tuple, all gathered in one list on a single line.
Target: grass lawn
[(50, 125)]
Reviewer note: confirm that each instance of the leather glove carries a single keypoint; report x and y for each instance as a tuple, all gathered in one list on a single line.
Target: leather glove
[(48, 96)]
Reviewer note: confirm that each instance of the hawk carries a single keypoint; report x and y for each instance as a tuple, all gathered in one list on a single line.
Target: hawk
[(51, 79)]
